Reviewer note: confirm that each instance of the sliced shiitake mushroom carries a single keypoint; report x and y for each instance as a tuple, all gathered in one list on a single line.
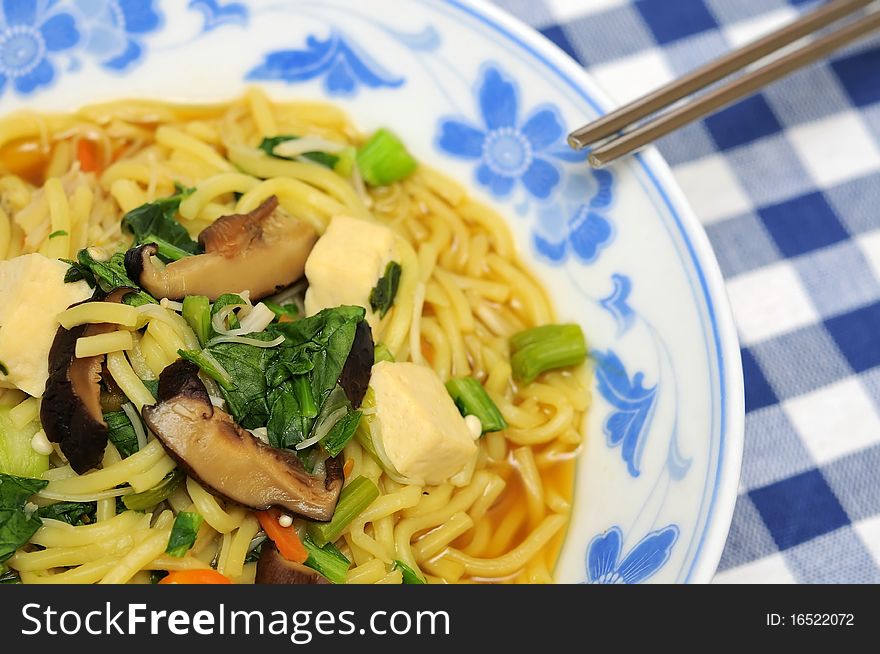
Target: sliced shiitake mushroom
[(70, 412), (261, 252), (355, 376), (272, 568), (228, 459)]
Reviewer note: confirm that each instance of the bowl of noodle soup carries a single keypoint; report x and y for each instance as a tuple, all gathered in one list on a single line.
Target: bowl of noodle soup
[(247, 202)]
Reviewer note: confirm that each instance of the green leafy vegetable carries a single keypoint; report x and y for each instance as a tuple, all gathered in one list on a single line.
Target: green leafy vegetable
[(57, 233), (316, 346), (159, 493), (152, 386), (341, 432), (383, 159), (197, 313), (540, 349), (355, 497), (73, 513), (285, 387), (167, 251), (16, 524), (107, 275), (410, 576), (17, 456), (382, 353), (224, 301), (157, 220), (382, 296), (269, 144), (121, 432), (204, 360), (472, 400), (283, 310), (183, 533), (327, 560)]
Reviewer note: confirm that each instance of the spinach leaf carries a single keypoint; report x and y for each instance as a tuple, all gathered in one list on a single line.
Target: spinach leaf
[(382, 296), (152, 386), (342, 432), (246, 364), (73, 513), (121, 432), (332, 331), (183, 533), (285, 388), (16, 525), (224, 301), (157, 219), (281, 310), (107, 275), (270, 142)]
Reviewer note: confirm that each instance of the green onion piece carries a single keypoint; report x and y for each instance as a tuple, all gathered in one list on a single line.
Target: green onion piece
[(159, 493), (57, 233), (472, 400), (327, 560), (166, 249), (545, 348), (410, 576), (355, 497), (382, 353), (208, 365), (382, 296), (383, 159), (342, 432), (183, 533), (281, 310), (345, 165), (302, 390), (197, 313)]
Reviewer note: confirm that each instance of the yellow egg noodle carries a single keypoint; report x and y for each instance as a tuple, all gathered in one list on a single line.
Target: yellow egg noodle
[(462, 294)]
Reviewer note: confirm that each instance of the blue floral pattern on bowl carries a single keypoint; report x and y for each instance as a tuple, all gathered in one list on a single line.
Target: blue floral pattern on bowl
[(570, 225), (627, 425), (31, 35), (217, 14), (116, 29), (507, 151), (339, 60), (604, 565)]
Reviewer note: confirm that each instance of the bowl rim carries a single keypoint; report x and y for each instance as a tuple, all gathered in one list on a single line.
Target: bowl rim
[(727, 474)]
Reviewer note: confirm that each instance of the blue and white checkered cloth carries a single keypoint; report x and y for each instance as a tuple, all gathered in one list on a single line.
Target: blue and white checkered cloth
[(787, 185)]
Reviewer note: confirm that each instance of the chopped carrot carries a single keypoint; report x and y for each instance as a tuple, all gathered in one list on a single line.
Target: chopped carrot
[(348, 467), (195, 577), (285, 538), (87, 154)]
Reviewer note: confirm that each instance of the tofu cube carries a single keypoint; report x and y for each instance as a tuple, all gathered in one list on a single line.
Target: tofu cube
[(422, 431), (346, 263), (32, 294)]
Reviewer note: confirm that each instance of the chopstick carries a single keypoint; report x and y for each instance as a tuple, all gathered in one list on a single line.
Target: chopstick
[(726, 94)]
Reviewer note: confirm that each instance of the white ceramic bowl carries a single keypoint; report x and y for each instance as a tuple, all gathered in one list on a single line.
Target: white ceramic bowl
[(489, 101)]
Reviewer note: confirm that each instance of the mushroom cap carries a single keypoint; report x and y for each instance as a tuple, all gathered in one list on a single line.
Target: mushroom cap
[(228, 459), (70, 412), (272, 568), (261, 252)]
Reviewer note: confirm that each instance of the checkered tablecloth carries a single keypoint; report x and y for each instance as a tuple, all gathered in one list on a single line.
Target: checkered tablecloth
[(787, 185)]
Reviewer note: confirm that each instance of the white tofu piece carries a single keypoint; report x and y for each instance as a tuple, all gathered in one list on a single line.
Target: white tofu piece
[(422, 431), (346, 263), (32, 294)]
